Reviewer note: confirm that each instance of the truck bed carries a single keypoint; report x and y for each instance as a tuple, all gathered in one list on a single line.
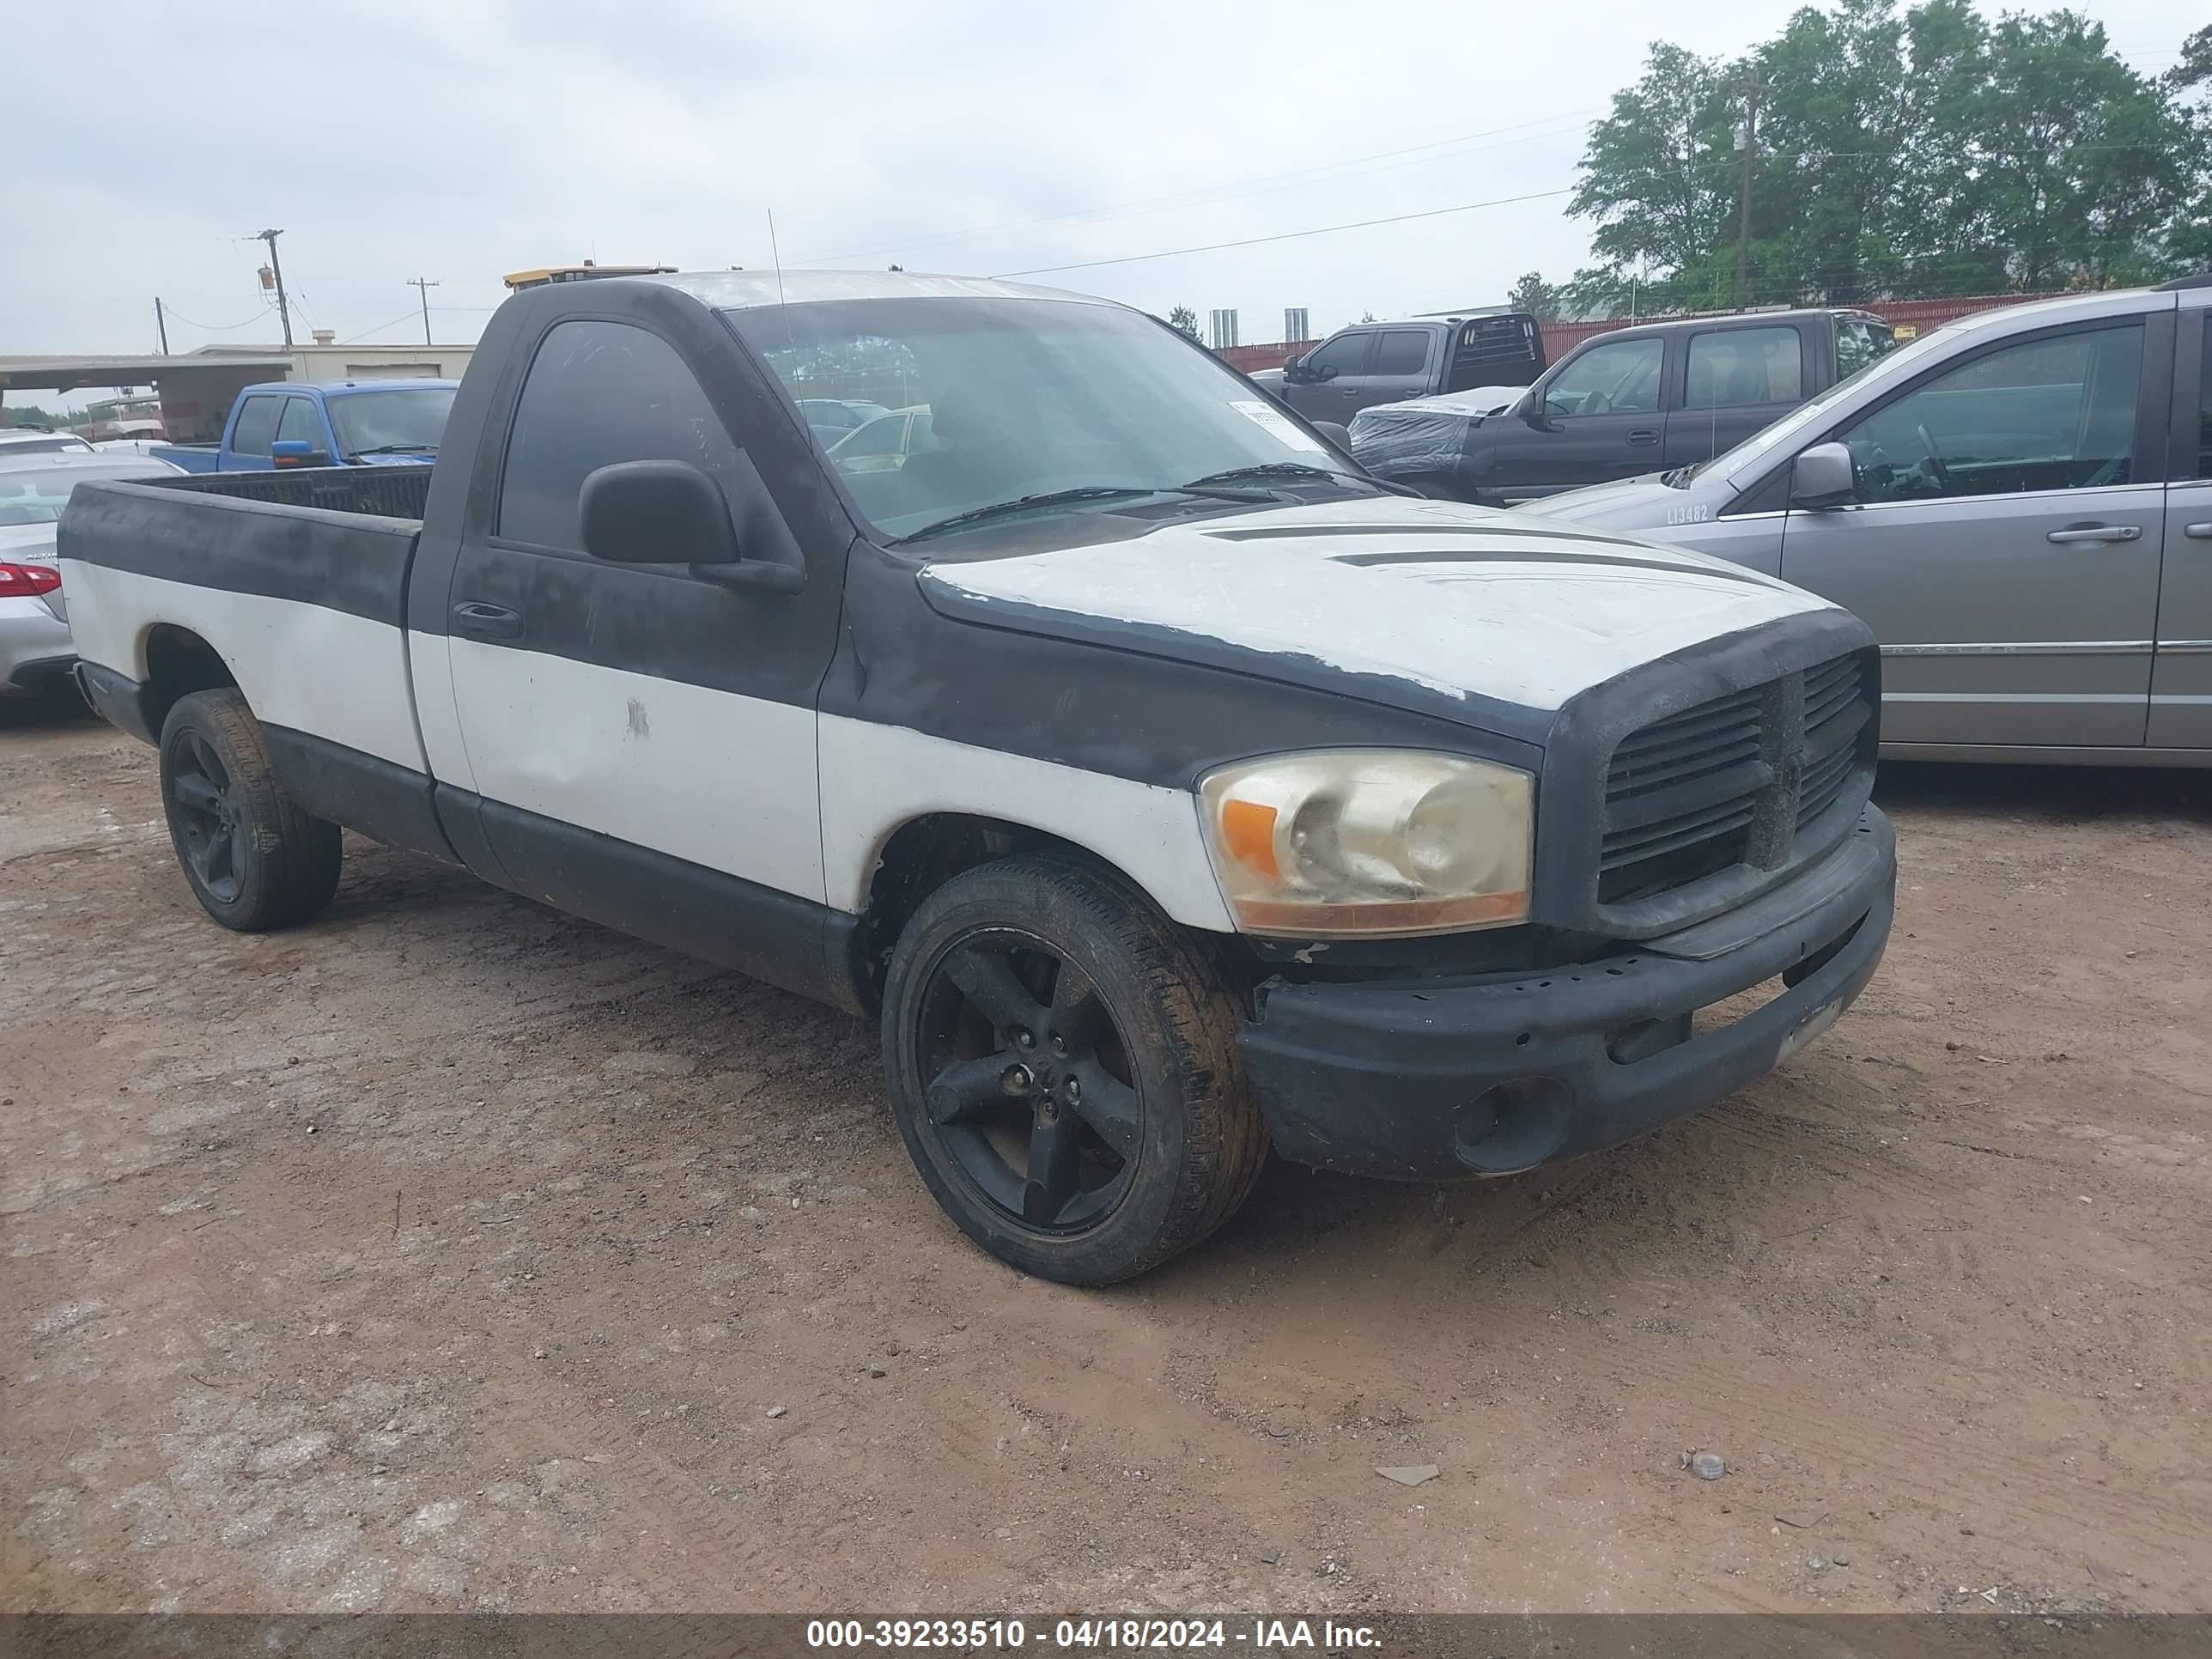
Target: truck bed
[(297, 581)]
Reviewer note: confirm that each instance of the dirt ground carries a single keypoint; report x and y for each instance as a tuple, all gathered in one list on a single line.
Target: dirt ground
[(450, 1252)]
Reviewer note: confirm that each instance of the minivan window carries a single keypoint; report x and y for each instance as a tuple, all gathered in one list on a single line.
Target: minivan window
[(1619, 378), (562, 431), (2057, 413), (2204, 411), (1400, 351), (256, 425), (1734, 368)]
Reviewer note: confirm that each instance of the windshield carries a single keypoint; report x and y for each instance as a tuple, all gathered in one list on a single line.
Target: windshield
[(37, 494), (1013, 399), (405, 417), (42, 446), (1897, 362)]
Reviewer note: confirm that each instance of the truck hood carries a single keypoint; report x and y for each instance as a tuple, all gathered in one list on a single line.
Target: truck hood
[(1452, 603)]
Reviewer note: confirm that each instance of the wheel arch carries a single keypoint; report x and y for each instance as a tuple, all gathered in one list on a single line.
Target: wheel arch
[(175, 662), (916, 856)]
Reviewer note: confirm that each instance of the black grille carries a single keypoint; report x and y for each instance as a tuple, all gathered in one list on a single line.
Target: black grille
[(1730, 782)]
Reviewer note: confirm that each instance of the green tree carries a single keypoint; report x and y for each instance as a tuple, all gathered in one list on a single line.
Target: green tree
[(1546, 300), (1185, 319), (1655, 174), (2190, 82), (2082, 164), (1921, 150)]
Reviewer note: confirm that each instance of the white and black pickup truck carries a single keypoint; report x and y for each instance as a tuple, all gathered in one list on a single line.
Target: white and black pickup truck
[(1169, 788)]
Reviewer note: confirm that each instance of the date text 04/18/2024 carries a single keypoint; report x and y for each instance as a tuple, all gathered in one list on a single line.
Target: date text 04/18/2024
[(1257, 1635)]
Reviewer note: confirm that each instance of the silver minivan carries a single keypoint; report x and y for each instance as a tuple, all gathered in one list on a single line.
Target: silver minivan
[(2019, 503)]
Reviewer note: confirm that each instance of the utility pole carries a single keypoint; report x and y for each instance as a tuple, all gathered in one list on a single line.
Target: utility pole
[(161, 326), (1753, 90), (276, 268), (425, 285)]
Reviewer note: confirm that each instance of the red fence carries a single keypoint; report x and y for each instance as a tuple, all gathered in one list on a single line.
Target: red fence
[(1560, 338)]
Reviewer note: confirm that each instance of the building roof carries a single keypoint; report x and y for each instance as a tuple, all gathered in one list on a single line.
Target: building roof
[(63, 372)]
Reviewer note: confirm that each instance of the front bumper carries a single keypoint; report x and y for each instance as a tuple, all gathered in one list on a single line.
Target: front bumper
[(1429, 1080)]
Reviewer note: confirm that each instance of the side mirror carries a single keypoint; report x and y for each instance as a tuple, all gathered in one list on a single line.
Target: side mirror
[(672, 512), (297, 451), (1823, 476), (1339, 435), (1294, 372)]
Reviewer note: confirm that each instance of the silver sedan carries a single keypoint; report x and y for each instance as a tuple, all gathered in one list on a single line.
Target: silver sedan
[(34, 486)]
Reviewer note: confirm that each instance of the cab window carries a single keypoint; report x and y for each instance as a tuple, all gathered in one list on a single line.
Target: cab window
[(2057, 413), (250, 434), (1734, 368), (1619, 378), (301, 422), (1345, 354), (562, 431), (1401, 351)]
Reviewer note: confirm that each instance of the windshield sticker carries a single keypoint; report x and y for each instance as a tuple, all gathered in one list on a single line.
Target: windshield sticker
[(1267, 415)]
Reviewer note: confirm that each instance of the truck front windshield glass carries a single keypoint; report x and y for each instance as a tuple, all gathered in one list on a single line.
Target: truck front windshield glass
[(1013, 399), (390, 422)]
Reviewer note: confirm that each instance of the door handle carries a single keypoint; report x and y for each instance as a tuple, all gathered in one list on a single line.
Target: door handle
[(1644, 434), (2198, 532), (487, 621), (2095, 533)]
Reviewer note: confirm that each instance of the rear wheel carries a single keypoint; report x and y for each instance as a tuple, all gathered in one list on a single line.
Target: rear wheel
[(1063, 1068), (254, 859)]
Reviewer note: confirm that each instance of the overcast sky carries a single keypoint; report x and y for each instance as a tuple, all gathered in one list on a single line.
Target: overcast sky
[(459, 141)]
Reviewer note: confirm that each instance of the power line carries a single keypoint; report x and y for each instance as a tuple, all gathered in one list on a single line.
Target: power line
[(221, 328), (1291, 235), (1205, 195)]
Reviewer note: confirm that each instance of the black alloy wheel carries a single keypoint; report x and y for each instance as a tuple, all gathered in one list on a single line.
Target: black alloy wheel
[(200, 806), (1027, 1080)]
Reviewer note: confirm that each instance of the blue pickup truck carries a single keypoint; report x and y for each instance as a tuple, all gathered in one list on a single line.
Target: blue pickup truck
[(341, 424)]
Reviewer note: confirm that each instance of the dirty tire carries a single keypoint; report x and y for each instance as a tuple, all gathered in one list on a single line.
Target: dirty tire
[(1198, 1142), (254, 859)]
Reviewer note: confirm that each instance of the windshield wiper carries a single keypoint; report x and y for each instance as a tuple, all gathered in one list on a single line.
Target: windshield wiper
[(1283, 470), (1081, 493), (400, 449)]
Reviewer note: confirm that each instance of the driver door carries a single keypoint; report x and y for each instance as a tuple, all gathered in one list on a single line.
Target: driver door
[(2005, 543), (1595, 417)]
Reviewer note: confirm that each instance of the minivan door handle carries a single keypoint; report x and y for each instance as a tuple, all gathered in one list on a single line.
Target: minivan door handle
[(2095, 533), (487, 621), (2198, 532), (1644, 434)]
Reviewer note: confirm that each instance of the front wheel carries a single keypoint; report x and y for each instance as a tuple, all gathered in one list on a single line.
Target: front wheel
[(1063, 1068), (255, 861)]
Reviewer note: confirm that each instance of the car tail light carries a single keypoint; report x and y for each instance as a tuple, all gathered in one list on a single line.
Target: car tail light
[(23, 581)]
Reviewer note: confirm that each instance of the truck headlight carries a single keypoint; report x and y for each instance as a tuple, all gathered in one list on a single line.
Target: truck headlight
[(1348, 843)]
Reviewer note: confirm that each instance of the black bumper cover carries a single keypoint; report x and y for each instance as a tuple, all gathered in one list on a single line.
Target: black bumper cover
[(116, 698), (1437, 1079)]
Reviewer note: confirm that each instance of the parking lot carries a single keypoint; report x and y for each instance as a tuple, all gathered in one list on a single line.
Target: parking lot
[(450, 1251)]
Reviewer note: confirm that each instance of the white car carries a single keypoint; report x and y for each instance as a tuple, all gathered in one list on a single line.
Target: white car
[(35, 650), (16, 442)]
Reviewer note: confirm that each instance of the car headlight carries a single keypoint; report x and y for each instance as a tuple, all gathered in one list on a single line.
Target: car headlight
[(1348, 843)]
